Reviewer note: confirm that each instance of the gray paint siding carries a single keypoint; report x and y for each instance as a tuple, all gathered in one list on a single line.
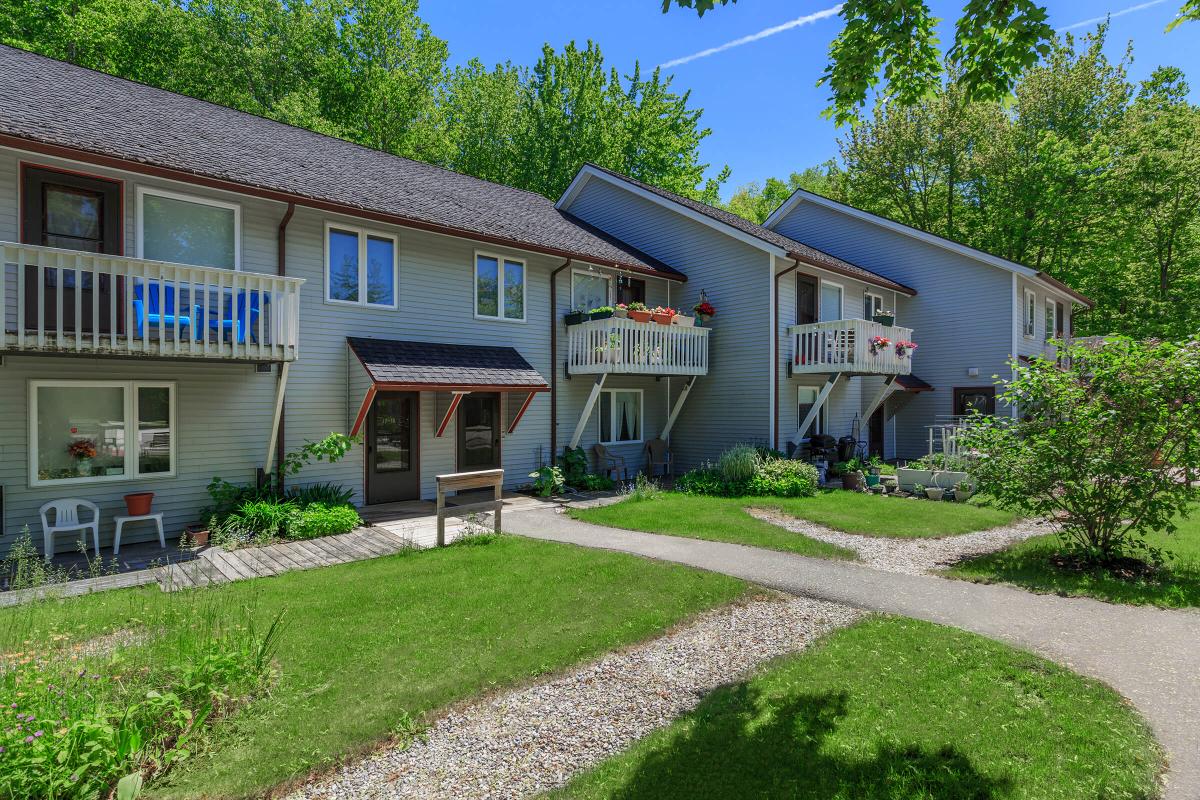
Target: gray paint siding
[(961, 317), (732, 403)]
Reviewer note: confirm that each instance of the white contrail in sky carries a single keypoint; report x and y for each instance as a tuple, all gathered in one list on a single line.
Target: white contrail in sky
[(1096, 20), (763, 34)]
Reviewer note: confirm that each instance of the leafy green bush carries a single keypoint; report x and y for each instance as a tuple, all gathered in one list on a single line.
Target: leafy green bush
[(592, 482), (738, 463), (781, 477), (707, 481), (321, 519), (547, 481), (265, 518), (331, 494), (574, 465)]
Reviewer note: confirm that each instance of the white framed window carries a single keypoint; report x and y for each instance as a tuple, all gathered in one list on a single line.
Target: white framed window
[(620, 416), (499, 287), (184, 229), (1048, 323), (872, 305), (96, 431), (589, 290), (806, 398), (1029, 317), (360, 266), (831, 302)]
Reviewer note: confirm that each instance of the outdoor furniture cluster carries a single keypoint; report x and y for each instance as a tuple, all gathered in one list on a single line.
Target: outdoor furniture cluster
[(659, 461), (68, 517), (230, 315)]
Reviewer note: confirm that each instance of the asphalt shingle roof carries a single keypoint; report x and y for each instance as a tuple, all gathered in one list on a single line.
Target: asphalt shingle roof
[(793, 248), (59, 104), (447, 366)]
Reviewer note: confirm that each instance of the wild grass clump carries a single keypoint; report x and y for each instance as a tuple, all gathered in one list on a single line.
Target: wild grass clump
[(745, 471)]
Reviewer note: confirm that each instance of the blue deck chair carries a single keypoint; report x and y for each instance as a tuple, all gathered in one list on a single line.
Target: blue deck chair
[(246, 319), (146, 302)]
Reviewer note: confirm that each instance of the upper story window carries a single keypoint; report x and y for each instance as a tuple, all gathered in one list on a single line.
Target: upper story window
[(184, 229), (360, 266), (499, 287), (872, 305), (831, 301), (71, 211), (1029, 316), (588, 290)]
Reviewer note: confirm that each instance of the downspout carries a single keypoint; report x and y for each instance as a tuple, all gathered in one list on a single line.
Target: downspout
[(554, 361), (281, 269), (775, 345)]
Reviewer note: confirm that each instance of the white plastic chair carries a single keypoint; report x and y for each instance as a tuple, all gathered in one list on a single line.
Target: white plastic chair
[(66, 520)]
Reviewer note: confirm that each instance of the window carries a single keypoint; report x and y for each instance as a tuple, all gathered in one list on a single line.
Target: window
[(620, 416), (831, 302), (806, 398), (1029, 323), (588, 290), (493, 302), (630, 290), (360, 266), (74, 212), (90, 431), (188, 230), (872, 305), (981, 399), (1049, 320)]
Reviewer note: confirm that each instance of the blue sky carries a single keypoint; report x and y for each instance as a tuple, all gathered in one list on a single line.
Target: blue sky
[(760, 99)]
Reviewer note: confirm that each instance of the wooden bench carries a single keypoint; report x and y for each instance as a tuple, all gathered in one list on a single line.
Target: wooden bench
[(463, 481)]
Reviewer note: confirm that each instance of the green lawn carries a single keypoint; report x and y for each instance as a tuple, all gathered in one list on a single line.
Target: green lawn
[(1028, 565), (895, 709), (367, 643), (719, 519), (867, 514)]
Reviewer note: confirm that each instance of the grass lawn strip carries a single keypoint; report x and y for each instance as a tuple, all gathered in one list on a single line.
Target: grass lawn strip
[(1028, 565), (896, 708), (893, 517), (530, 739), (914, 556), (368, 643)]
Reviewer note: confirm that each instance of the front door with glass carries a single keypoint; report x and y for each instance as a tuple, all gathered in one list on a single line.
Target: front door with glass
[(479, 432), (393, 463)]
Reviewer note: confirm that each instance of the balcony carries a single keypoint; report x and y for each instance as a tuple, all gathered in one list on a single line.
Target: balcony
[(70, 302), (622, 346), (844, 346)]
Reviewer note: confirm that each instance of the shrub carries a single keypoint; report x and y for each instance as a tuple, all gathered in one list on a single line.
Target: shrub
[(783, 478), (738, 463), (706, 481), (330, 494), (547, 481), (321, 519), (592, 482), (265, 518)]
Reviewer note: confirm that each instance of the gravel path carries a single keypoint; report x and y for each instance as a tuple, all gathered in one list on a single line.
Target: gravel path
[(909, 556), (535, 738)]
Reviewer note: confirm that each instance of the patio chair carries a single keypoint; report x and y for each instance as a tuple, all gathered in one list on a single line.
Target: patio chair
[(247, 317), (658, 454), (67, 520), (154, 302), (609, 464)]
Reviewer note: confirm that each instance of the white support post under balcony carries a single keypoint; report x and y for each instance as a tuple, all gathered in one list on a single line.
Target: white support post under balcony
[(822, 396), (683, 395), (881, 396), (280, 389), (587, 410)]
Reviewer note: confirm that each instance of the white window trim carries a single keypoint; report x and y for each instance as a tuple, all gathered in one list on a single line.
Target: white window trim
[(591, 273), (363, 234), (842, 292), (1029, 325), (131, 433), (500, 259), (142, 191), (819, 422), (875, 296), (1049, 307), (612, 420)]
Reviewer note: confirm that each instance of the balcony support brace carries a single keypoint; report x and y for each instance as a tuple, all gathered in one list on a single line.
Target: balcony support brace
[(881, 396), (277, 417), (822, 396), (587, 410), (687, 387), (455, 399)]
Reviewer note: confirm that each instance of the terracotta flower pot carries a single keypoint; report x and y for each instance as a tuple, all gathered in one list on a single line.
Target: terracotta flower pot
[(639, 316), (138, 503), (662, 319)]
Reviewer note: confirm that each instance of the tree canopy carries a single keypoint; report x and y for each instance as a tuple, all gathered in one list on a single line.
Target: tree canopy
[(372, 72)]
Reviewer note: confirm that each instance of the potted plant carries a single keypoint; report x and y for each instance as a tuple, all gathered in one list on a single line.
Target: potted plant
[(138, 503), (638, 312), (575, 316), (904, 348), (704, 311), (621, 311), (196, 534), (83, 451), (963, 490), (662, 315), (934, 492), (877, 344), (877, 488), (884, 317), (602, 312), (852, 480), (683, 320)]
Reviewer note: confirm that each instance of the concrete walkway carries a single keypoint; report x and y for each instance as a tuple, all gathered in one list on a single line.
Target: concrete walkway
[(1149, 655)]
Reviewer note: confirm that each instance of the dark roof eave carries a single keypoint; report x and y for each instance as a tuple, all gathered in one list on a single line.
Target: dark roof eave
[(883, 283), (1083, 299), (227, 184)]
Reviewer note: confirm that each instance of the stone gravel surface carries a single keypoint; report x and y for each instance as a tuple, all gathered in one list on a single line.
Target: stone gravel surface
[(910, 556), (535, 738)]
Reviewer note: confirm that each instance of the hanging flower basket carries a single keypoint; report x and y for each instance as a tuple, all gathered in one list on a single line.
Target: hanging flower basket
[(877, 344), (704, 311), (904, 348)]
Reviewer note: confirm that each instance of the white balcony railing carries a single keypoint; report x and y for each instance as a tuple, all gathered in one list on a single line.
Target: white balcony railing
[(64, 301), (844, 345), (618, 345)]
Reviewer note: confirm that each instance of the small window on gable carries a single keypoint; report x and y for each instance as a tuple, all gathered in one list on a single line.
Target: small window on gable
[(360, 266), (499, 287), (588, 290), (1029, 319)]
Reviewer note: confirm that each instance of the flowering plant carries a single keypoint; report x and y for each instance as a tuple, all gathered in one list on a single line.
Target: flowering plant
[(636, 306), (878, 344), (670, 312), (82, 448), (904, 348), (704, 309)]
